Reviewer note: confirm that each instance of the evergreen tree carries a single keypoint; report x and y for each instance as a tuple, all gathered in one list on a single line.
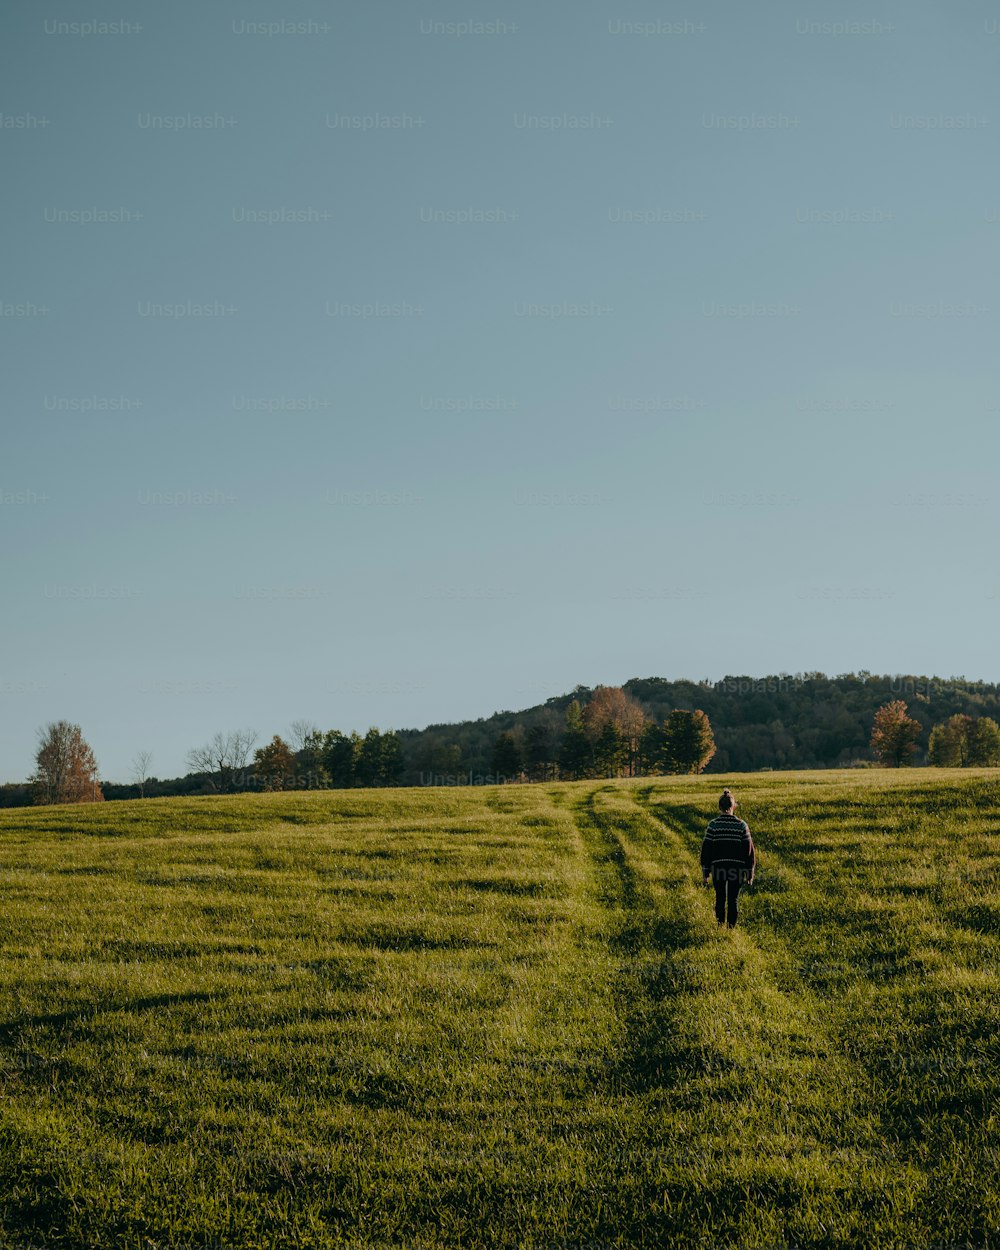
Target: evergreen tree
[(440, 759), (651, 744), (506, 757), (894, 734), (575, 756), (539, 755), (393, 763), (309, 762), (611, 751), (688, 741), (368, 760), (984, 743), (339, 758), (675, 729)]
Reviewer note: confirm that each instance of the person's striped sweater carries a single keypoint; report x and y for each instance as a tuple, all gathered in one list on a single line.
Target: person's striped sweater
[(727, 844)]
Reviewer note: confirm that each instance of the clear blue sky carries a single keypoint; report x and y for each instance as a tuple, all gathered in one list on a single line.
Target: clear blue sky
[(645, 339)]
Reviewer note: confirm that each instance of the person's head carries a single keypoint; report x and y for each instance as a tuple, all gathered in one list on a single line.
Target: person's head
[(726, 801)]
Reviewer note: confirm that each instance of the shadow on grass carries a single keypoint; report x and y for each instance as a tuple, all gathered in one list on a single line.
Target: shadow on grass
[(88, 870), (978, 917), (688, 818), (126, 951), (68, 1020), (647, 942), (408, 940), (503, 885)]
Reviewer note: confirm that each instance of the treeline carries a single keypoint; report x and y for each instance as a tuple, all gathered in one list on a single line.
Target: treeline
[(331, 759), (609, 736), (801, 720)]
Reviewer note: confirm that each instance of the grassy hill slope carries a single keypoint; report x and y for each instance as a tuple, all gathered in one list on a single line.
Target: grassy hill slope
[(503, 1017)]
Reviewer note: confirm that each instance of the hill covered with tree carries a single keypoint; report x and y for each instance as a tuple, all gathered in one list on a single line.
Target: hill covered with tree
[(800, 720), (649, 725)]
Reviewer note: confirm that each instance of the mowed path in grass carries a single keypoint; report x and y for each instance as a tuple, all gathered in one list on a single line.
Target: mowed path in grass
[(503, 1018)]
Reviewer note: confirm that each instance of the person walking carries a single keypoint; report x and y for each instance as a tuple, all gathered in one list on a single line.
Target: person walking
[(728, 857)]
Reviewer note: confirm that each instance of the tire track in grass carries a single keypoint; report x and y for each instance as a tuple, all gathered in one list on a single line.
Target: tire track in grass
[(716, 967), (915, 1023), (784, 1123), (557, 1024), (856, 952), (759, 944), (733, 1147), (645, 940), (635, 1196), (520, 1160)]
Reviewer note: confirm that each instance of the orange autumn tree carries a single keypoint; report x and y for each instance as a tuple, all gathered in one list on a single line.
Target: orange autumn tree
[(614, 722), (65, 767), (894, 734), (274, 764)]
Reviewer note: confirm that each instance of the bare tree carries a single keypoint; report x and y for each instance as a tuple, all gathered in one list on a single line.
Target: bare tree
[(140, 770), (299, 733), (224, 757)]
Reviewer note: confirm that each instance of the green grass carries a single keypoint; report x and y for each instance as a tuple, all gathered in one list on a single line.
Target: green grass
[(504, 1017)]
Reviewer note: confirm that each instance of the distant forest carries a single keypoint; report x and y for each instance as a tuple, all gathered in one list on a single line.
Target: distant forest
[(801, 720)]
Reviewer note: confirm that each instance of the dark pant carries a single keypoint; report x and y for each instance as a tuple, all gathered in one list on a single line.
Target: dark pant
[(727, 889)]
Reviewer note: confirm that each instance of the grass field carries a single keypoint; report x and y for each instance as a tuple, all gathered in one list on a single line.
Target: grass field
[(504, 1017)]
